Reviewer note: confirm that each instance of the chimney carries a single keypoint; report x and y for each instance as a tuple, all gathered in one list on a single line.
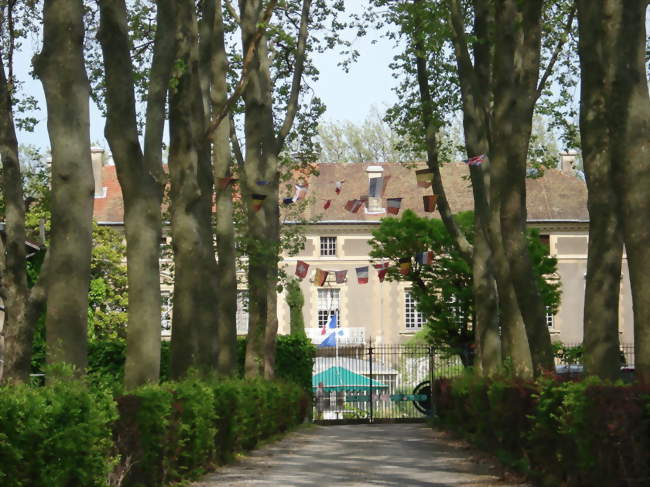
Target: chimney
[(375, 188), (97, 157), (567, 161)]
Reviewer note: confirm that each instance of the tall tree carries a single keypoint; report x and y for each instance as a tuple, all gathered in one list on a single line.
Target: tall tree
[(194, 327), (614, 126), (140, 174), (22, 305), (60, 67)]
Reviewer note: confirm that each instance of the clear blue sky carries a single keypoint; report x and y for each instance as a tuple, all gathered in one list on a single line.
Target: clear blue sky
[(348, 96)]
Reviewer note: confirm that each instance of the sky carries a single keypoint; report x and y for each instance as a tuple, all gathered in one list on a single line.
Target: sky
[(348, 96)]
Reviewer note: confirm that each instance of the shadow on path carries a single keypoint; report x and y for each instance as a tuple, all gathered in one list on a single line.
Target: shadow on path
[(388, 455)]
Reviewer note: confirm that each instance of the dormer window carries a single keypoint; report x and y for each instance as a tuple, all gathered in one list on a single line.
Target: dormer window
[(375, 189)]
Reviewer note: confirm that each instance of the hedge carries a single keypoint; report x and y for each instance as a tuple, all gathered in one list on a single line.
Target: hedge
[(69, 434), (558, 433), (294, 360)]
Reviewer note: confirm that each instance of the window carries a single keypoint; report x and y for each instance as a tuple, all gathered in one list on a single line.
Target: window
[(550, 318), (166, 314), (413, 318), (241, 317), (328, 303), (328, 246)]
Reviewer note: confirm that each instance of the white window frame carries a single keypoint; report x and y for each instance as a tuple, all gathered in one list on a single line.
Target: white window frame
[(328, 246), (242, 317), (550, 318), (328, 302), (166, 314), (413, 319)]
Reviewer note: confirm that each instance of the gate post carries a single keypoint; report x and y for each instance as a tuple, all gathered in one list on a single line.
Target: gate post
[(370, 418), (432, 364)]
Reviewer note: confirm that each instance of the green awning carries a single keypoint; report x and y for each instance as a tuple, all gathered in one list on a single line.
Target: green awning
[(342, 379)]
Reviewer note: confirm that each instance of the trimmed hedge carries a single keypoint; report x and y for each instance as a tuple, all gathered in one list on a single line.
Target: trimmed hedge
[(293, 363), (558, 433), (69, 434)]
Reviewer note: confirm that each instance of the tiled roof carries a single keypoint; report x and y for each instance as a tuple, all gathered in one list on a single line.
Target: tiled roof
[(555, 196)]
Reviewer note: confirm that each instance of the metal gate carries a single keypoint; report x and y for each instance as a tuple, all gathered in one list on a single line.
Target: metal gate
[(376, 383)]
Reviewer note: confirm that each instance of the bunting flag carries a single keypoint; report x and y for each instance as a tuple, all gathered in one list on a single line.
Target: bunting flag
[(424, 177), (424, 258), (476, 160), (353, 205), (223, 183), (287, 201), (362, 275), (258, 201), (301, 269), (338, 185), (320, 277), (430, 201), (340, 276), (323, 330), (376, 187), (405, 266), (382, 269), (301, 192), (327, 204), (393, 205)]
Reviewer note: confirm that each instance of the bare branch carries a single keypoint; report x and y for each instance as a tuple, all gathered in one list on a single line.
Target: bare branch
[(232, 11), (556, 53), (299, 67)]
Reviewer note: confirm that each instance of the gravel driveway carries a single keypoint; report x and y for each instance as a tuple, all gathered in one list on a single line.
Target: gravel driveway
[(360, 455)]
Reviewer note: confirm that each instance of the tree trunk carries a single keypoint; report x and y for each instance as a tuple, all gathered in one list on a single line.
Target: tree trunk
[(194, 325), (18, 334), (270, 338), (141, 187), (516, 66), (60, 66), (630, 128), (258, 127), (225, 230), (601, 341)]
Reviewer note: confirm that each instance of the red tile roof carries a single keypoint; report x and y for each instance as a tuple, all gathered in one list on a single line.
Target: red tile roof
[(555, 196)]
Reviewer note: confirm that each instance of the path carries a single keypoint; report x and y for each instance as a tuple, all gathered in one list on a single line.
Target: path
[(391, 455)]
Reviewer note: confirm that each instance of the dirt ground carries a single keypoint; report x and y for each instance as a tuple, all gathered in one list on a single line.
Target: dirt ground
[(386, 455)]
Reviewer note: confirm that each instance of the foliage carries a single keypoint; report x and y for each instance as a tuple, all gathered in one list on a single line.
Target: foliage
[(568, 354), (69, 434), (372, 141), (172, 432), (295, 301), (443, 290), (294, 359), (559, 433), (54, 436)]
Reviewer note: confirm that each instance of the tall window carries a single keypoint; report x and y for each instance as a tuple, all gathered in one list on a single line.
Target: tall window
[(550, 318), (413, 318), (328, 246), (241, 317), (166, 314), (328, 303)]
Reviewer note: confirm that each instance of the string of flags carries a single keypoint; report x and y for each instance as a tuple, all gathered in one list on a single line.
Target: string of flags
[(340, 276)]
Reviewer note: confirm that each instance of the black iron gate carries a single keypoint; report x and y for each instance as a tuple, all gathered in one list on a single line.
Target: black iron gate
[(377, 383)]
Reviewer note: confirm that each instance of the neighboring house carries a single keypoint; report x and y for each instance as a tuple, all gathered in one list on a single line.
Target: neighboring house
[(385, 312)]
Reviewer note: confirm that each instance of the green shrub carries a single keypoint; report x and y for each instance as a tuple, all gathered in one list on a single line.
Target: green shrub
[(54, 436), (559, 433)]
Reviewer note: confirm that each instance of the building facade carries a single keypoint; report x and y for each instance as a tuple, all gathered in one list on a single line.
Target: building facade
[(338, 239)]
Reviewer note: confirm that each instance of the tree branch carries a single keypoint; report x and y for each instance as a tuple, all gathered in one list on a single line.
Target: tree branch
[(243, 80), (299, 67), (556, 53), (232, 11)]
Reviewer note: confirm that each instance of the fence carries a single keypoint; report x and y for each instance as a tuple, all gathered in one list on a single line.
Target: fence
[(377, 383), (570, 354)]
